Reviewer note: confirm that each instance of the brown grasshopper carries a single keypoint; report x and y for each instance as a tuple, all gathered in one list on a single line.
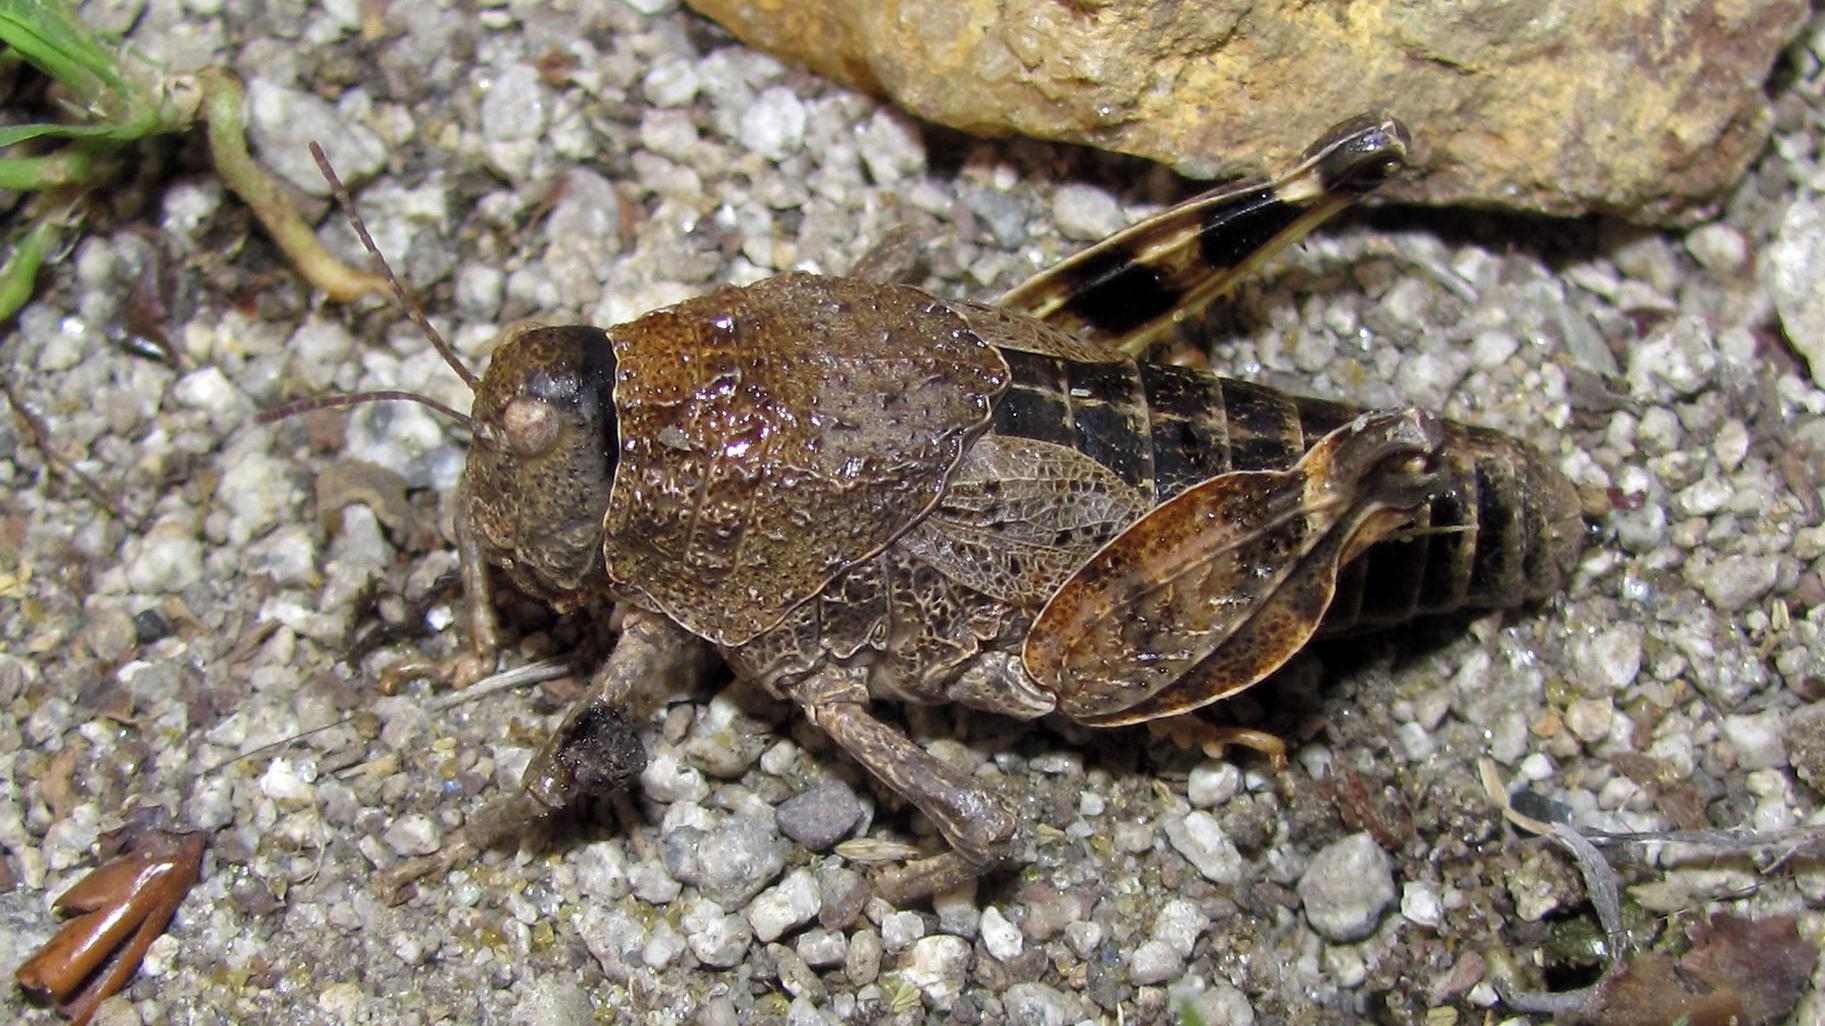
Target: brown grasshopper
[(853, 490)]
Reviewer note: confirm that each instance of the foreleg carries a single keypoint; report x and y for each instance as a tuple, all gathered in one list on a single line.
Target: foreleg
[(594, 751)]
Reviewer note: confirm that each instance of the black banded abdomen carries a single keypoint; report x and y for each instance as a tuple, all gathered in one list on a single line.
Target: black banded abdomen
[(1505, 531)]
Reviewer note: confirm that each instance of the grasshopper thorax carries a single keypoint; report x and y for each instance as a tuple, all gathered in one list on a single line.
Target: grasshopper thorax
[(539, 473)]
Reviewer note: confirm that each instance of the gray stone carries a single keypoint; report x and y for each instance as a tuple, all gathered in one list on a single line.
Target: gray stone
[(730, 863), (1085, 212), (1154, 961), (1036, 1004), (283, 122), (1735, 581), (553, 1001), (1792, 270), (1347, 887), (821, 815), (718, 939)]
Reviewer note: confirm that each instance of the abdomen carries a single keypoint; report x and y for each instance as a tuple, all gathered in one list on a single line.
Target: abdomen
[(1505, 531)]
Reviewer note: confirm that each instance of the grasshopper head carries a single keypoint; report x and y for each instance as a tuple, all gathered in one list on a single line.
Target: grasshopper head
[(537, 481)]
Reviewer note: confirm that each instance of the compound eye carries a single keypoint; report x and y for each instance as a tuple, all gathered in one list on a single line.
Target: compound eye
[(531, 426)]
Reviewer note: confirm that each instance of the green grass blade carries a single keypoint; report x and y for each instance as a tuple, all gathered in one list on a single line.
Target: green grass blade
[(20, 271), (12, 135), (49, 35)]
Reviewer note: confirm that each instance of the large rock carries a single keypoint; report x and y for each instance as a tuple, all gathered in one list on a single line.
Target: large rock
[(1644, 108)]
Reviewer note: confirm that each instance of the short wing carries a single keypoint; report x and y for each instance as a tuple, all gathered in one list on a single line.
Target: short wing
[(1216, 588), (1019, 518)]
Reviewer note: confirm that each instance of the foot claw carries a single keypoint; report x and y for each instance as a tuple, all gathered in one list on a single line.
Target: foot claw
[(1188, 731)]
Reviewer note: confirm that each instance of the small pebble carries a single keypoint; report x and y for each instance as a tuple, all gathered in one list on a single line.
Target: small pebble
[(777, 910), (716, 938), (1200, 838), (290, 783), (1001, 937), (936, 965), (1154, 961), (1347, 886), (1534, 887), (1085, 212), (1220, 1004), (669, 779), (514, 110), (1036, 1004), (1419, 905), (1718, 247), (900, 929), (651, 883), (1212, 783), (1758, 740), (1791, 271), (1735, 581), (1084, 937), (821, 815), (281, 124), (774, 124), (862, 965), (413, 834), (1179, 925), (822, 949), (553, 1001)]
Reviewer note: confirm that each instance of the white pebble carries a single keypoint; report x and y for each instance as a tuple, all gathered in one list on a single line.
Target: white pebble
[(936, 965), (666, 778), (1179, 924), (288, 782), (1758, 740), (778, 909), (1213, 783), (413, 834), (1154, 962), (774, 124), (1419, 905), (899, 929), (1491, 349), (1614, 657), (1718, 247), (166, 558), (663, 945), (1084, 936), (1085, 212), (206, 389), (719, 940), (1791, 271), (1589, 718), (671, 82), (891, 146), (1001, 937), (1200, 838)]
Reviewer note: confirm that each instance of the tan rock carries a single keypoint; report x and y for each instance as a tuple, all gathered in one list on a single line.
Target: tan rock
[(1646, 108)]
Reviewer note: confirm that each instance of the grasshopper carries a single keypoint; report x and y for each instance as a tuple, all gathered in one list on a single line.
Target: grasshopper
[(852, 490)]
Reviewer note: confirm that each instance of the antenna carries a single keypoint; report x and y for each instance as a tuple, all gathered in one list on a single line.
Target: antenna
[(336, 402), (413, 310)]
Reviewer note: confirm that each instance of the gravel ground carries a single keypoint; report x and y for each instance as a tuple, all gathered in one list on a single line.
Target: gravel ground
[(592, 160)]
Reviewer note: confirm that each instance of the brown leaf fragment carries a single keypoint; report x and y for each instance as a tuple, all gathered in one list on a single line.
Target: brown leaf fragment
[(1344, 787), (56, 784), (1739, 971), (121, 908), (381, 490)]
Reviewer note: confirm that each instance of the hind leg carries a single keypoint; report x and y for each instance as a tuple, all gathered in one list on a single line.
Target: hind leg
[(980, 829)]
